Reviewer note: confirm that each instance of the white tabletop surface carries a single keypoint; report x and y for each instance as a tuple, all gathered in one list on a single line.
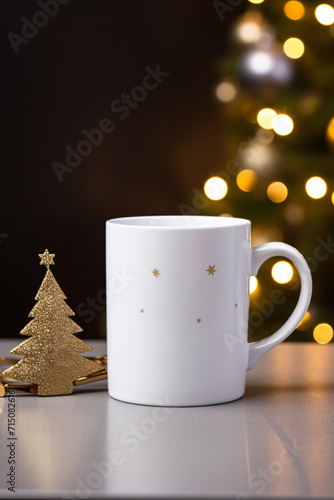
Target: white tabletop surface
[(275, 442)]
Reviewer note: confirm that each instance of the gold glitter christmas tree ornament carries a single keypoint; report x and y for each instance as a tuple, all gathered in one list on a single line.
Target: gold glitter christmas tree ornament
[(52, 360)]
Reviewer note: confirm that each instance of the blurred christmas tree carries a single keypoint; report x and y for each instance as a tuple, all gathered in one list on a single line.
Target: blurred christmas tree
[(276, 97)]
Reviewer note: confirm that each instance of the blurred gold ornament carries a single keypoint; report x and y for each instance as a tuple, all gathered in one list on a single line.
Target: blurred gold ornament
[(51, 356)]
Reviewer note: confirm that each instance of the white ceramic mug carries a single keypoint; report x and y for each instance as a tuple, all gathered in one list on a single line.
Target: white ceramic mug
[(177, 308)]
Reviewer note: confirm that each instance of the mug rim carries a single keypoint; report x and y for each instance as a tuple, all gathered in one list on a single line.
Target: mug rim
[(197, 222)]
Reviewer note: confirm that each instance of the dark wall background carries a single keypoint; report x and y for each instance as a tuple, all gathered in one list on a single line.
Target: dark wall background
[(63, 81)]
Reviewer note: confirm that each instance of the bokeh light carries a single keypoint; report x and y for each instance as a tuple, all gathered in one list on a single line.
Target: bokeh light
[(332, 197), (215, 188), (324, 14), (249, 31), (283, 124), (304, 324), (265, 136), (277, 192), (265, 118), (256, 1), (316, 187), (247, 180), (323, 333), (295, 214), (226, 91), (253, 284), (260, 63), (282, 272), (330, 131), (293, 48), (294, 10)]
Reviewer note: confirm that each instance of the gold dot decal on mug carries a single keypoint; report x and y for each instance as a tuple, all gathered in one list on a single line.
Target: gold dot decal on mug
[(156, 272), (198, 320), (235, 305), (211, 270), (141, 310)]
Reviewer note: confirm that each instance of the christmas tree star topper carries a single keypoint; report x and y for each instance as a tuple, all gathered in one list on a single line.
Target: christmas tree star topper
[(46, 258)]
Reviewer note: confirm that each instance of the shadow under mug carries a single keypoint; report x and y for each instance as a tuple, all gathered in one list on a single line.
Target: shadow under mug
[(177, 308)]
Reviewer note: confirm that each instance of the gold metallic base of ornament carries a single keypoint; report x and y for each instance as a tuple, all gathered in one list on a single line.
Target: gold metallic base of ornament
[(8, 386)]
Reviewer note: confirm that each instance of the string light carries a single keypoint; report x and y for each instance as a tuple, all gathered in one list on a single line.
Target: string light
[(282, 272), (247, 180), (293, 48), (265, 118), (323, 333), (253, 284), (215, 188), (277, 192), (324, 14), (294, 10), (226, 91), (283, 124), (316, 187)]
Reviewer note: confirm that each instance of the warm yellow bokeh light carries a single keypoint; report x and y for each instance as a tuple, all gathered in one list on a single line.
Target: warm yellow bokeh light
[(293, 48), (330, 130), (265, 118), (316, 187), (256, 1), (247, 180), (282, 272), (324, 14), (323, 333), (294, 10), (283, 125), (226, 91), (253, 284), (304, 322), (249, 31), (215, 188), (277, 192), (332, 197)]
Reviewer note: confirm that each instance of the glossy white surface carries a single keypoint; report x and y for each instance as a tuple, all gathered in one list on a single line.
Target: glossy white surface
[(275, 442), (177, 308)]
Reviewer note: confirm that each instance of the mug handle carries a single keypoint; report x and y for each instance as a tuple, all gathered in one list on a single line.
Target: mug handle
[(258, 256)]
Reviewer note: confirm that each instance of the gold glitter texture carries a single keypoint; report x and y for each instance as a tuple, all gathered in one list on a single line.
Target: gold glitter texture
[(46, 258), (52, 354)]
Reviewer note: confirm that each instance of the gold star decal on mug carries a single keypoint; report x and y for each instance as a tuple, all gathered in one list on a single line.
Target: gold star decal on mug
[(211, 270), (156, 273)]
